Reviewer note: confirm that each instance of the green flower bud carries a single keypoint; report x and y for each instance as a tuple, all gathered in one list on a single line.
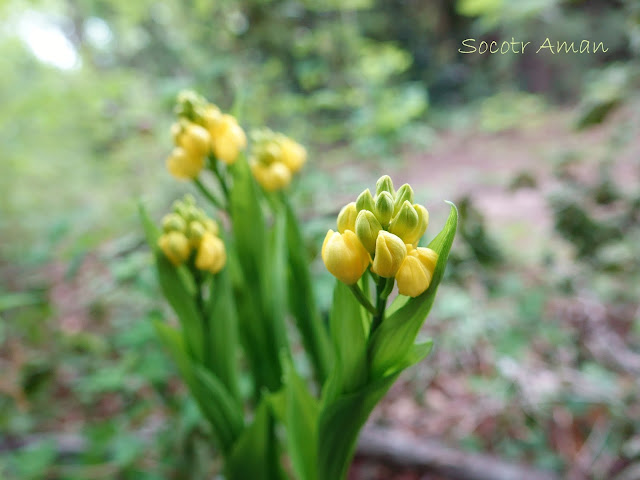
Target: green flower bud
[(405, 221), (347, 218), (193, 214), (423, 221), (384, 208), (365, 202), (173, 222), (190, 104), (390, 254), (367, 228), (384, 184), (404, 194), (195, 232)]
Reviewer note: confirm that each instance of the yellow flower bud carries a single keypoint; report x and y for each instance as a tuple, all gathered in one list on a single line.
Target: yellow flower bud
[(272, 177), (347, 218), (173, 222), (412, 277), (404, 194), (210, 118), (423, 221), (416, 272), (367, 228), (390, 253), (405, 221), (184, 166), (344, 256), (384, 208), (227, 138), (194, 139), (212, 254), (211, 226), (175, 246), (384, 184), (293, 155), (365, 201), (427, 257)]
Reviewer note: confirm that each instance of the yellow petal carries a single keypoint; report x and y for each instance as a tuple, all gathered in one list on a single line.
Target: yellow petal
[(344, 256), (183, 165), (390, 253), (412, 277), (175, 246)]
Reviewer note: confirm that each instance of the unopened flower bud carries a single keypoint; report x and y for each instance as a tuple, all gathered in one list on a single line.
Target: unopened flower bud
[(347, 218), (211, 226), (210, 118), (191, 213), (404, 194), (175, 246), (384, 208), (227, 138), (416, 272), (365, 201), (344, 256), (390, 253), (195, 232), (423, 221), (194, 139), (272, 177), (405, 221), (212, 254), (173, 222), (183, 165), (384, 184), (190, 104), (412, 277), (293, 155), (367, 228)]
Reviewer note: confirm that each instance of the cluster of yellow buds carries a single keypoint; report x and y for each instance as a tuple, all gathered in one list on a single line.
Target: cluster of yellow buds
[(275, 158), (188, 231), (382, 231), (202, 129)]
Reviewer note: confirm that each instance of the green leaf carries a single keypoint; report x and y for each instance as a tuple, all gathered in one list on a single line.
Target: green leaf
[(301, 421), (348, 323), (217, 404), (255, 455), (222, 335), (182, 300), (248, 220), (151, 231), (396, 335), (340, 423), (260, 334), (175, 285), (273, 284), (302, 302)]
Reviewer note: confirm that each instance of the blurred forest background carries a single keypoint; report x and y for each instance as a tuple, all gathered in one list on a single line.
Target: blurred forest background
[(536, 327)]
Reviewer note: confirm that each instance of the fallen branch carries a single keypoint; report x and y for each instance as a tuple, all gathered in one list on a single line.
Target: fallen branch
[(404, 450)]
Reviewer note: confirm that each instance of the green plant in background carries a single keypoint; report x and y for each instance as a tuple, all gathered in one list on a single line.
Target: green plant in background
[(233, 291)]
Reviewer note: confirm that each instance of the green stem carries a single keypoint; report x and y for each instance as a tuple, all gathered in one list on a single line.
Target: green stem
[(223, 183), (360, 296), (210, 196), (383, 289), (206, 328)]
